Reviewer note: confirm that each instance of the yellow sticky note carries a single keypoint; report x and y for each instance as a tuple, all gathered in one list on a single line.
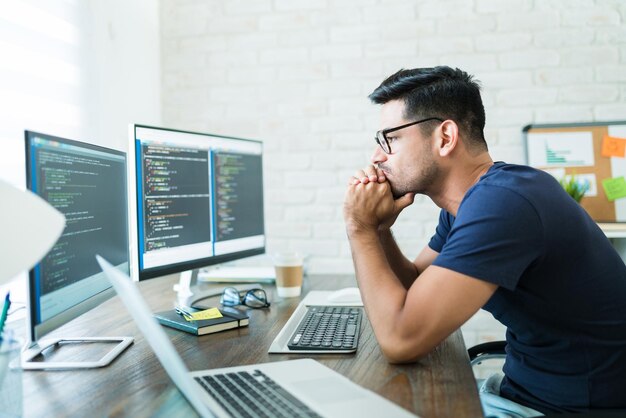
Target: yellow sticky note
[(614, 188), (210, 313), (613, 146)]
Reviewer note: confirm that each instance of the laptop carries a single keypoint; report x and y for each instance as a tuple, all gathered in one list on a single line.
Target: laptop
[(302, 387)]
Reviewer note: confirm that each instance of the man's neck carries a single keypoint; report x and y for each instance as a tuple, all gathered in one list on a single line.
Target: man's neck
[(459, 179)]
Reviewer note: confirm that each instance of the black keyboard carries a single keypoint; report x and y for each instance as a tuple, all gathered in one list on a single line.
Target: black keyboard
[(251, 395), (334, 328)]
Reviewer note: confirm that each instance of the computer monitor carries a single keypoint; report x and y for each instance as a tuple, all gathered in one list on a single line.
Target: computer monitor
[(199, 200), (86, 183)]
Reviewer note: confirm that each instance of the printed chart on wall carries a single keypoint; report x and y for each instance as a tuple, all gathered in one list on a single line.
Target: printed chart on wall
[(593, 153)]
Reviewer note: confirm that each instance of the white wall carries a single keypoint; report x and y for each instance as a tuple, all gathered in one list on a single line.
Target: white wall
[(126, 59), (296, 73), (76, 69)]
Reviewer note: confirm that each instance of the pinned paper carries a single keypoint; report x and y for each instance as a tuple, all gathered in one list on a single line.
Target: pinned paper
[(561, 149), (590, 179), (211, 313), (614, 188), (613, 146)]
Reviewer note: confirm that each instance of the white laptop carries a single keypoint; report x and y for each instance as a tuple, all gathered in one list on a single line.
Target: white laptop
[(307, 388)]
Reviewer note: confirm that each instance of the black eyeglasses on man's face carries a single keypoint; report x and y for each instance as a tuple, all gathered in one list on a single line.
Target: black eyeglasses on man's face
[(381, 136), (255, 298)]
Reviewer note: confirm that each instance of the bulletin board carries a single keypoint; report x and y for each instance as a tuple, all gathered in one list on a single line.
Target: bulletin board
[(593, 152)]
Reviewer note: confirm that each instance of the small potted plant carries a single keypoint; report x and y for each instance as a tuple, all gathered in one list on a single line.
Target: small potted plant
[(574, 187)]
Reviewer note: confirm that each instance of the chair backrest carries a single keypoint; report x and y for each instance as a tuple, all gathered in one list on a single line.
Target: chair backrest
[(497, 349), (480, 352)]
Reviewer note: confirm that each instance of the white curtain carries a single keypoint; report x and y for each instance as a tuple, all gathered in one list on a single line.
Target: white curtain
[(78, 69), (42, 77)]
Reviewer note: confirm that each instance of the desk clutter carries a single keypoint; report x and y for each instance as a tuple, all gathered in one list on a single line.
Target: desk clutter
[(331, 325)]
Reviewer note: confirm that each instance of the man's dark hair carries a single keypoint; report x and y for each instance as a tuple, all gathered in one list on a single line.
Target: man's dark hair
[(442, 92)]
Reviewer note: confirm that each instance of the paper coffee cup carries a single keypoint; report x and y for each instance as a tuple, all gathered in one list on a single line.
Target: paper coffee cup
[(288, 266)]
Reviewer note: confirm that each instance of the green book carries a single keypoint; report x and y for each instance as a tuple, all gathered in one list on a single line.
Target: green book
[(231, 318)]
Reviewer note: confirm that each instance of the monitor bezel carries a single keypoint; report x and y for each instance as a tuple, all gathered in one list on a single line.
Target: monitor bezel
[(144, 274), (37, 331)]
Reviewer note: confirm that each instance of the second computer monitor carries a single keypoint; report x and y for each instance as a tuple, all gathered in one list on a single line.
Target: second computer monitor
[(88, 184), (199, 199)]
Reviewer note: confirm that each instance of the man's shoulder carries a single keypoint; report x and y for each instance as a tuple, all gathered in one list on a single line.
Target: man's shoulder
[(515, 180), (505, 173), (508, 190)]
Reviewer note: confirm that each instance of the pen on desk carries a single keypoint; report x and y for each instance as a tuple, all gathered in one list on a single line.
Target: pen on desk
[(5, 310), (183, 312)]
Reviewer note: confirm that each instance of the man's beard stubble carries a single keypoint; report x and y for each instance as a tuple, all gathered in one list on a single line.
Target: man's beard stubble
[(421, 184)]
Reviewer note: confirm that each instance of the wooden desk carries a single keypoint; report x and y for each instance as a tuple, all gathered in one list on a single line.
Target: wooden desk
[(136, 385)]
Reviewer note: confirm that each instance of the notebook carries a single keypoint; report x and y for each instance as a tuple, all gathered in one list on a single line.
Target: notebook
[(230, 319), (304, 382)]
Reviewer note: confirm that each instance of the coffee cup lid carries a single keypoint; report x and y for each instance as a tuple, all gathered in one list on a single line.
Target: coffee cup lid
[(287, 259)]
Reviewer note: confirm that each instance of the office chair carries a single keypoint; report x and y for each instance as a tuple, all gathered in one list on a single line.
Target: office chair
[(484, 351), (496, 350)]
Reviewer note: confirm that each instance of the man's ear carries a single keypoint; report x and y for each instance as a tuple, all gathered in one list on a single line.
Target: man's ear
[(448, 137)]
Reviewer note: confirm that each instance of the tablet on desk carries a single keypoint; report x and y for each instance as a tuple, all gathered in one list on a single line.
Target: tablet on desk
[(238, 274)]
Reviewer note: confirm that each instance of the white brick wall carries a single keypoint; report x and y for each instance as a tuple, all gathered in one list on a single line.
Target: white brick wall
[(296, 74)]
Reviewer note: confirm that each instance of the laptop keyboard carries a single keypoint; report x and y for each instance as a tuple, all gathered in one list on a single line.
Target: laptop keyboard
[(251, 395), (329, 328)]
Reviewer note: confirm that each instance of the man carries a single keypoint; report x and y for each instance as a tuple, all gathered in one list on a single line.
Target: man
[(509, 240)]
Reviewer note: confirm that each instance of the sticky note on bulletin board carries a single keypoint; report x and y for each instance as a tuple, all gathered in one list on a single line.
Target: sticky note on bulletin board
[(593, 152)]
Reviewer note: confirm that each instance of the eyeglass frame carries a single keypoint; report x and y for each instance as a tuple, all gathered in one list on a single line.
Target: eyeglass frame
[(384, 142), (242, 299)]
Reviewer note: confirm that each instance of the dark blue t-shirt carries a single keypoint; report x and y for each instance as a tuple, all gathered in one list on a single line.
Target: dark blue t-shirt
[(562, 288)]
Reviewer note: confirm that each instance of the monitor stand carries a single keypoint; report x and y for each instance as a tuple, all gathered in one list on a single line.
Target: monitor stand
[(189, 293), (37, 350)]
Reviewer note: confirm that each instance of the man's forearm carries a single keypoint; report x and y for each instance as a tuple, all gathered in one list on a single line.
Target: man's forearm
[(404, 269), (383, 294)]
